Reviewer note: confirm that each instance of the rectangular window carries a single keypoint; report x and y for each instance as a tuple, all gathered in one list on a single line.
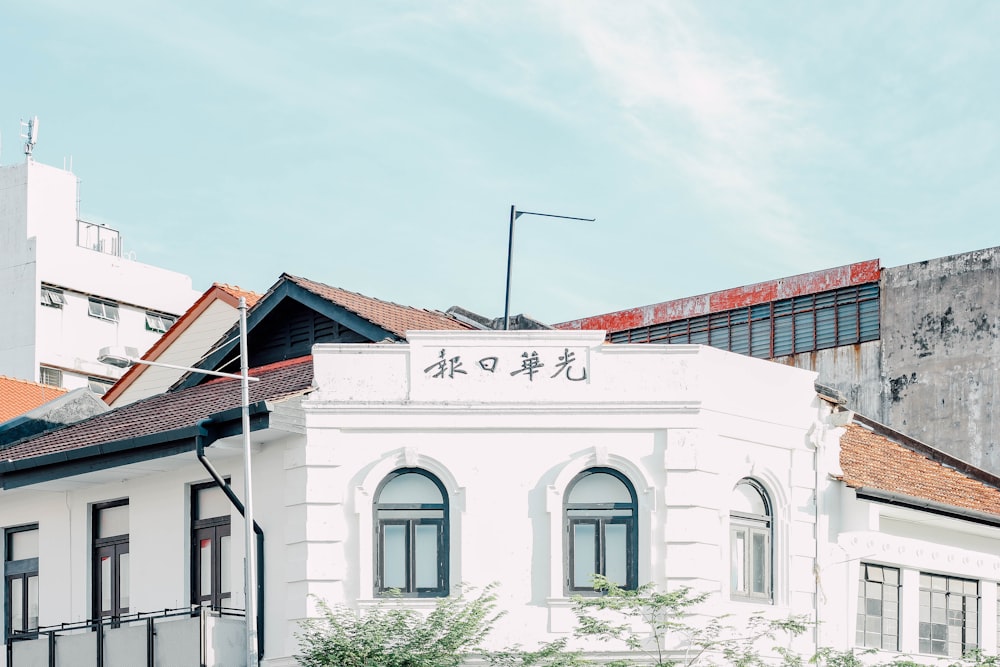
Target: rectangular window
[(949, 615), (159, 322), (878, 607), (103, 310), (21, 580), (111, 559), (50, 376), (210, 546), (53, 297)]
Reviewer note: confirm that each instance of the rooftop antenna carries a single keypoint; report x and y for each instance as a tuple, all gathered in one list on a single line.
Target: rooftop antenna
[(29, 132)]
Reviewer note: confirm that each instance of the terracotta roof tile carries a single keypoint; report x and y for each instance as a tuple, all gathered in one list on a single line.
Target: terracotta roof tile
[(237, 291), (169, 411), (390, 316), (20, 396), (875, 460)]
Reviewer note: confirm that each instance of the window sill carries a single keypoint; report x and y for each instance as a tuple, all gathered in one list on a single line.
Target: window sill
[(409, 603)]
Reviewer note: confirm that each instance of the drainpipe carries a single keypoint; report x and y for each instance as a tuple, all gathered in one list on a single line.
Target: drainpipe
[(226, 489)]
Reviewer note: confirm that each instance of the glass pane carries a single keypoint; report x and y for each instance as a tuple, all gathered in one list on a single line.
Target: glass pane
[(23, 544), (584, 554), (394, 556), (599, 487), (113, 521), (105, 584), (32, 603), (427, 556), (616, 553), (411, 514), (16, 595), (739, 546), (747, 500), (212, 502), (410, 488), (760, 560), (123, 577), (205, 564), (224, 555)]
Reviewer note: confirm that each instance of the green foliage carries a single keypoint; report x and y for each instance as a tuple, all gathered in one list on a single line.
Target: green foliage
[(553, 654), (390, 635), (663, 630)]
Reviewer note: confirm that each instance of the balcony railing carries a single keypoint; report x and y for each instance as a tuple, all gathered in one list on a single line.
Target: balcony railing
[(188, 636)]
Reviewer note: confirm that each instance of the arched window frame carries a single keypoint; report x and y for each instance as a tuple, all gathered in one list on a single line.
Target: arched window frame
[(411, 522), (601, 520), (742, 570)]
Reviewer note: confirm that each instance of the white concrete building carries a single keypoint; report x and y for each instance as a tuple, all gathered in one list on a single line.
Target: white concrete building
[(68, 289), (533, 459)]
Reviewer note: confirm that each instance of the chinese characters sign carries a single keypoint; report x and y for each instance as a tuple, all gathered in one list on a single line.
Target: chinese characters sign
[(550, 365)]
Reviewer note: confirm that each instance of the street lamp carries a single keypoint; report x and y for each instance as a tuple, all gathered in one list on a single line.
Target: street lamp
[(514, 215), (108, 356)]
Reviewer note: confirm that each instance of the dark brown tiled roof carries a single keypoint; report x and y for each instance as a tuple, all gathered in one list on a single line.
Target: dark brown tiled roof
[(20, 396), (170, 411), (873, 458), (390, 316)]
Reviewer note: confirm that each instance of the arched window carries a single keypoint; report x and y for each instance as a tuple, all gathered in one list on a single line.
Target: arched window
[(750, 541), (601, 536), (411, 534)]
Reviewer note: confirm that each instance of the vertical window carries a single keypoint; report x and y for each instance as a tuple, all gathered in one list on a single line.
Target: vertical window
[(111, 559), (949, 615), (601, 536), (411, 534), (750, 542), (878, 607), (210, 546), (21, 580)]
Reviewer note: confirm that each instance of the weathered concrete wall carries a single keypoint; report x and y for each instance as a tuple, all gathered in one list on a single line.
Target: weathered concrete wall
[(941, 348), (853, 370)]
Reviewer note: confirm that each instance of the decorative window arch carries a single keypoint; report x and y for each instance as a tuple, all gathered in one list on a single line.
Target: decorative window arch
[(750, 539), (600, 516), (411, 534)]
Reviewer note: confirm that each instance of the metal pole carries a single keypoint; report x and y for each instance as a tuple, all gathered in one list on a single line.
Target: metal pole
[(250, 577), (510, 255)]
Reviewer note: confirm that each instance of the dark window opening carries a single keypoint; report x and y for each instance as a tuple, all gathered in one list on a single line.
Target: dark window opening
[(211, 546), (21, 581)]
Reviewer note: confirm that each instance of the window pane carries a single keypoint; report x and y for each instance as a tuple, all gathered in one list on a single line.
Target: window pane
[(782, 335), (23, 544), (739, 547), (584, 554), (760, 338), (615, 553), (426, 556), (410, 488), (747, 500), (105, 584), (224, 555), (212, 502), (394, 556), (123, 579), (16, 595), (804, 332), (599, 487), (205, 564), (759, 563), (33, 603), (113, 521)]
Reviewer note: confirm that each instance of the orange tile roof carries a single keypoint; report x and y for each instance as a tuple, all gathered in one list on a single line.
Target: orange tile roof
[(20, 396), (237, 292), (875, 457), (390, 316)]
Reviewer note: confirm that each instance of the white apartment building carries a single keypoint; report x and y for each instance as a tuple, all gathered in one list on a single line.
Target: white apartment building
[(66, 287)]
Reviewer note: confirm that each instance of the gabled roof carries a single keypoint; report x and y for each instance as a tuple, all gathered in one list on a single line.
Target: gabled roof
[(217, 292), (392, 317), (889, 466), (173, 417), (20, 396)]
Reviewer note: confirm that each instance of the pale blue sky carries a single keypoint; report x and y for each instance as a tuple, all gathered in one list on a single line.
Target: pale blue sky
[(378, 146)]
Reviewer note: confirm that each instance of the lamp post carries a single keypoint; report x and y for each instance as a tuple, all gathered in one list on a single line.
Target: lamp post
[(514, 215), (108, 356)]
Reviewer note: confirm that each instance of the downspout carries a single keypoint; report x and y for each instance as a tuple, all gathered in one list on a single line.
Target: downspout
[(226, 489)]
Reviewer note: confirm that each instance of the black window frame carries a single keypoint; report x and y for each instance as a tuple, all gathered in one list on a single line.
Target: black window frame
[(933, 631), (443, 526), (159, 322), (600, 519), (23, 570), (114, 546), (213, 528), (753, 524), (53, 297)]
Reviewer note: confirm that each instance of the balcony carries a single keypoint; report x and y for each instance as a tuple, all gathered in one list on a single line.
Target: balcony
[(173, 638)]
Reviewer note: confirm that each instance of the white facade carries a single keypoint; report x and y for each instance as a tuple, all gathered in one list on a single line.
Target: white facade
[(43, 244), (683, 424)]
